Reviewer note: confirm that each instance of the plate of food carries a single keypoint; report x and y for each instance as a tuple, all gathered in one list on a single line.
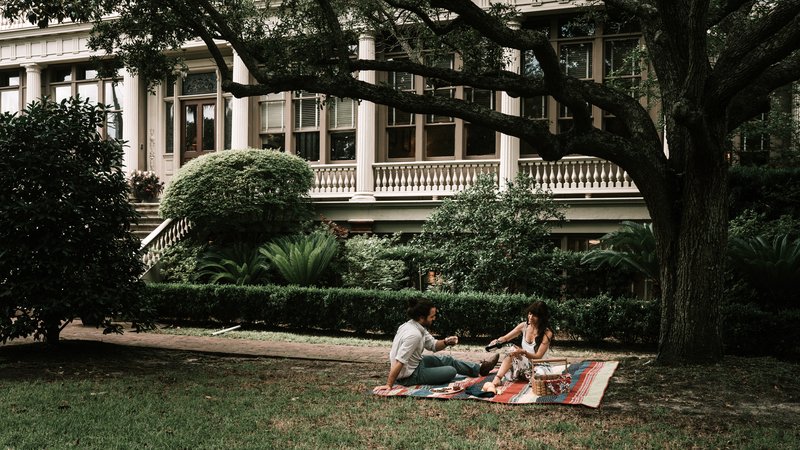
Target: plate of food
[(452, 389)]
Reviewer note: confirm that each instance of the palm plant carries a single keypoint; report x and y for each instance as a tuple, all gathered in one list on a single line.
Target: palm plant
[(238, 264), (301, 259), (633, 246), (772, 267)]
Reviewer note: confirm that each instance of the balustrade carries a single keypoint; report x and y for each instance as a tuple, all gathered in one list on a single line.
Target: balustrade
[(334, 180), (166, 235)]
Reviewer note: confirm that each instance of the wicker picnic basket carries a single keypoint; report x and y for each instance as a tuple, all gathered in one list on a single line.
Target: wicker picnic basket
[(550, 383)]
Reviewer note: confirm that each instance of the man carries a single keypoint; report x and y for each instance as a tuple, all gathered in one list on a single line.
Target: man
[(409, 367)]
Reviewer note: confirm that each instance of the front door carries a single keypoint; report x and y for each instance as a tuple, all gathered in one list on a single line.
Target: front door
[(198, 135)]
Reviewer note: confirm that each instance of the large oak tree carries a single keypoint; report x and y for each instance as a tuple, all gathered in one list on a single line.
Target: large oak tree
[(716, 63)]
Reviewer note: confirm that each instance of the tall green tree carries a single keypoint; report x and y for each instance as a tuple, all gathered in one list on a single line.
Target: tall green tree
[(716, 61), (65, 244)]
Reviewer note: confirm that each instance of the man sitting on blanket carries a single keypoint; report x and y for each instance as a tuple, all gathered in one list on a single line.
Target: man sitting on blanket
[(409, 367)]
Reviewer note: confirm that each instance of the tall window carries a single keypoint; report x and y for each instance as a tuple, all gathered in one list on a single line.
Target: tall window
[(479, 140), (169, 115), (440, 139), (621, 69), (306, 125), (9, 91), (83, 80), (342, 128), (400, 127), (533, 108), (273, 127)]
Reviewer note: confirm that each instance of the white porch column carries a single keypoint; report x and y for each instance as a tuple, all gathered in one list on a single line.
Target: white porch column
[(365, 129), (33, 83), (239, 107), (130, 121), (509, 145)]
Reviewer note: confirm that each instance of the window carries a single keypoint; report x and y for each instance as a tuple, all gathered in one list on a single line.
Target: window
[(622, 70), (272, 129), (440, 138), (306, 125), (576, 61), (400, 126), (83, 80), (342, 126), (533, 108), (9, 91), (479, 140)]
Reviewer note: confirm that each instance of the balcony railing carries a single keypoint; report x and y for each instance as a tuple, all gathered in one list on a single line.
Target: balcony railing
[(573, 175), (429, 178)]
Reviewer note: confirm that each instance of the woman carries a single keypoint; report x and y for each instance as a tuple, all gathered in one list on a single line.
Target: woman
[(536, 339)]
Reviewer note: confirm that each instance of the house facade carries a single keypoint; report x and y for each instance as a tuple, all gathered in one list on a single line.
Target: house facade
[(377, 169)]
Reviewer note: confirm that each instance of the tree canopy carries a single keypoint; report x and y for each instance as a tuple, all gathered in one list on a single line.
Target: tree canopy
[(716, 63)]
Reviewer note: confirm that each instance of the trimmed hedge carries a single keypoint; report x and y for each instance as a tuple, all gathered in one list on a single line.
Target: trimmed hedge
[(465, 314), (747, 329), (773, 191)]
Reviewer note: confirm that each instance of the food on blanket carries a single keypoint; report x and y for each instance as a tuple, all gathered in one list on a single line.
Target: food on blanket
[(448, 389)]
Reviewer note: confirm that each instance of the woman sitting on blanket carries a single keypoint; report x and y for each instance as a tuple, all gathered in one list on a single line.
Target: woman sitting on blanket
[(536, 339)]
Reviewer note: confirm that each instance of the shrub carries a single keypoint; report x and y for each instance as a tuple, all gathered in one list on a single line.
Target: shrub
[(241, 194), (491, 241), (369, 266), (748, 330), (302, 259), (772, 267), (178, 263), (64, 222), (239, 263), (775, 192)]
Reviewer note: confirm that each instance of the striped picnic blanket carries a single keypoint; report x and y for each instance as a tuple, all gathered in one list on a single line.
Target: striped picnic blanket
[(589, 382)]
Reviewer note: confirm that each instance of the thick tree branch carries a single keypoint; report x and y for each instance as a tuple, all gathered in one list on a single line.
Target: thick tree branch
[(754, 99), (730, 77), (721, 10)]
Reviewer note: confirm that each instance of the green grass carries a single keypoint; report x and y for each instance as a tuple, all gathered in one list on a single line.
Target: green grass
[(94, 395)]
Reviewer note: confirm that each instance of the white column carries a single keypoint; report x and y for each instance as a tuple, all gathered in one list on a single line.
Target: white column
[(240, 107), (509, 145), (33, 83), (365, 129), (130, 121)]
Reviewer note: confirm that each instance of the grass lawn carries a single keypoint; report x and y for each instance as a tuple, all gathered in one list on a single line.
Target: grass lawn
[(95, 395)]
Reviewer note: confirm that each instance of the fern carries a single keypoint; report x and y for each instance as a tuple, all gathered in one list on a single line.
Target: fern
[(633, 245), (239, 264), (301, 259)]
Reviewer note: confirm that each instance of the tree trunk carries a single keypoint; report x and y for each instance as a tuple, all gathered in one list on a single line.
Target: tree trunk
[(692, 239), (52, 332)]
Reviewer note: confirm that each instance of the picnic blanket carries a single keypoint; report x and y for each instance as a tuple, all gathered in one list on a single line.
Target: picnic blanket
[(589, 382)]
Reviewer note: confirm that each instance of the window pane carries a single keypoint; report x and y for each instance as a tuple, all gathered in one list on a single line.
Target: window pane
[(114, 125), (440, 140), (272, 115), (209, 125), (401, 142), (398, 117), (568, 28), (620, 58), (530, 65), (306, 145), (190, 123), (228, 136), (88, 91), (9, 101), (306, 113), (61, 74), (62, 93), (343, 146), (274, 141), (480, 140), (113, 94), (443, 93), (342, 113), (86, 73), (169, 114), (200, 83), (401, 81), (8, 79), (534, 107), (576, 59)]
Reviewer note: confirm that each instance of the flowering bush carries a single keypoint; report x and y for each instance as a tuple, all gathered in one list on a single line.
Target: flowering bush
[(145, 185)]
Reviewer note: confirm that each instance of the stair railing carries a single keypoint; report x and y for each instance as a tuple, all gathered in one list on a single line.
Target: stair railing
[(167, 234)]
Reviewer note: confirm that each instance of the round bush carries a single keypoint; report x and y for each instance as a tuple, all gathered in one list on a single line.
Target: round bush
[(241, 191)]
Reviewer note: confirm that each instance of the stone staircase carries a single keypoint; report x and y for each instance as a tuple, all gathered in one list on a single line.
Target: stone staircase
[(148, 221)]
